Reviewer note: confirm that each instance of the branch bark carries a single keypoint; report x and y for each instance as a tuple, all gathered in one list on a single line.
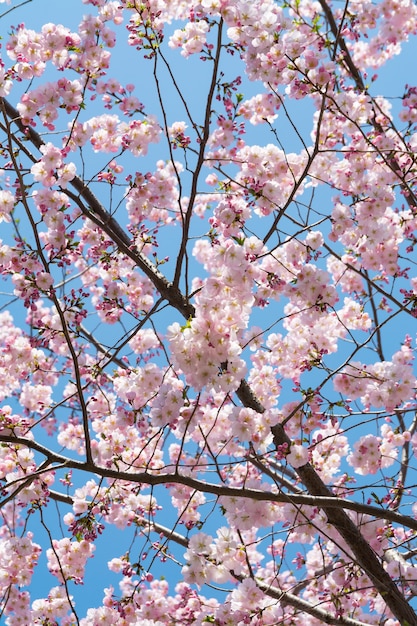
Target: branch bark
[(325, 499), (364, 555), (320, 495)]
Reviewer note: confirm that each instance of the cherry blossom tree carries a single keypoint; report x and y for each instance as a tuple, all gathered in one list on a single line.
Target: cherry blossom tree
[(208, 314)]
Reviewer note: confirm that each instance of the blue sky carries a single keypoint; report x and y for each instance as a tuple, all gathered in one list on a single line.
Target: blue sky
[(126, 68), (34, 14)]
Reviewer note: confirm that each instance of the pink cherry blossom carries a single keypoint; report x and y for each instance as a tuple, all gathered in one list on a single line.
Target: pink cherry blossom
[(7, 202), (206, 323)]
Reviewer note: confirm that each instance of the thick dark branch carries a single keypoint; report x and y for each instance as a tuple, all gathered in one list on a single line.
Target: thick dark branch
[(364, 555), (59, 497), (340, 42), (320, 495), (95, 211), (339, 519), (325, 499)]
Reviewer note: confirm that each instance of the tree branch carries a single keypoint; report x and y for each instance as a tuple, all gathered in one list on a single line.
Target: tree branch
[(102, 218), (364, 555), (322, 500)]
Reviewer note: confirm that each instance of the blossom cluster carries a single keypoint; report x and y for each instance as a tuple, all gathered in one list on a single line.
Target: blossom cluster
[(388, 384), (158, 360)]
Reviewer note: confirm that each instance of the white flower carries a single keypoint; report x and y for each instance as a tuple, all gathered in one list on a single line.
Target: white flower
[(298, 455)]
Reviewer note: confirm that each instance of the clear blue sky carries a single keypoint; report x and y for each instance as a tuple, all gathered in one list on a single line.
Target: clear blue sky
[(127, 67)]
